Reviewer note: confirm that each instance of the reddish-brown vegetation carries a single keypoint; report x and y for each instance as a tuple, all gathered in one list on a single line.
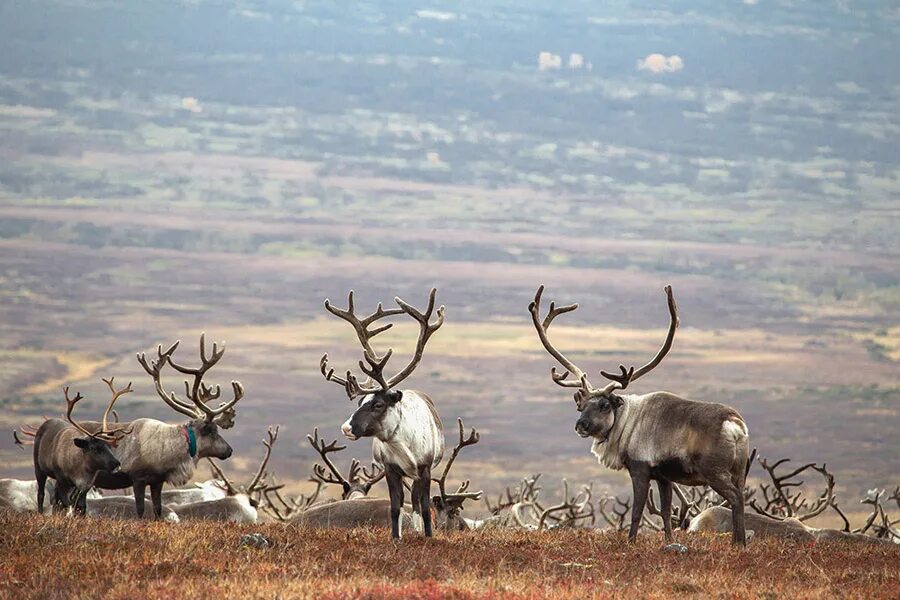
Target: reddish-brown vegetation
[(56, 557)]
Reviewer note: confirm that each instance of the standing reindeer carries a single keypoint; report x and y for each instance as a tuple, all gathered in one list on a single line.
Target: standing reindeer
[(157, 452), (407, 431), (657, 436), (73, 455)]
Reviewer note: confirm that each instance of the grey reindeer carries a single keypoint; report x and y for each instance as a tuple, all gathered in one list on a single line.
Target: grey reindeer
[(157, 453), (407, 430), (657, 436)]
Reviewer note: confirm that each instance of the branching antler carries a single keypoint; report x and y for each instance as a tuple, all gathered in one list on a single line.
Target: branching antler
[(461, 492), (574, 508), (586, 390), (110, 436), (783, 498), (374, 365), (258, 485), (615, 511), (324, 449), (284, 509), (198, 394)]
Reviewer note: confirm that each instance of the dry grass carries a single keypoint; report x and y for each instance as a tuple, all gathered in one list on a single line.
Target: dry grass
[(57, 557)]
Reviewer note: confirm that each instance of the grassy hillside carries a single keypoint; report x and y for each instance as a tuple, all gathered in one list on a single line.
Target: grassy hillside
[(54, 557)]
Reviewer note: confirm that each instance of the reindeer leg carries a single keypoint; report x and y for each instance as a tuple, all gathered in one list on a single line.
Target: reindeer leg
[(665, 507), (425, 496), (156, 498), (640, 486), (733, 494), (394, 477), (41, 483), (140, 488)]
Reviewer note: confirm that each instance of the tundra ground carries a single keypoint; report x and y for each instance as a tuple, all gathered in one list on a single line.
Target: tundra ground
[(58, 557)]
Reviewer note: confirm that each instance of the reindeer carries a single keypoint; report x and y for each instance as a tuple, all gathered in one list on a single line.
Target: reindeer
[(72, 455), (241, 503), (122, 507), (358, 481), (157, 453), (407, 431), (782, 510), (657, 436)]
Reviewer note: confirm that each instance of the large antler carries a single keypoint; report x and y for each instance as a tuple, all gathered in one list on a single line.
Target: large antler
[(198, 393), (258, 483), (116, 434), (374, 364), (781, 501), (324, 449), (461, 492), (586, 390), (426, 330), (70, 405)]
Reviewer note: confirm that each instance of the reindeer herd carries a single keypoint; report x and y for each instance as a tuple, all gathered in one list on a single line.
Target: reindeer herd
[(696, 451)]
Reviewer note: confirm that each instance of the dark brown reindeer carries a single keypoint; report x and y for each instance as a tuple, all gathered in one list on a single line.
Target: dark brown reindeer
[(657, 436), (407, 431), (359, 480), (73, 455)]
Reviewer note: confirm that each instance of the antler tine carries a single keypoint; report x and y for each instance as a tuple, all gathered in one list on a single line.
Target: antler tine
[(219, 474), (372, 475), (324, 449), (375, 370), (426, 330), (113, 435), (70, 404), (269, 442), (628, 375), (542, 326), (349, 383), (19, 442), (353, 471), (473, 438)]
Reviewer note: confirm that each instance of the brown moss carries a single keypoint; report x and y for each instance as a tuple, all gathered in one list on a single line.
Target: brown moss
[(58, 557)]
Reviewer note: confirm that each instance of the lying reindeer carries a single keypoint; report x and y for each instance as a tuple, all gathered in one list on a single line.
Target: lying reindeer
[(657, 436), (73, 456), (242, 501), (407, 431)]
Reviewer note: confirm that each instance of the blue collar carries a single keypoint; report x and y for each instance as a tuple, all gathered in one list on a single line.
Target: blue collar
[(191, 440)]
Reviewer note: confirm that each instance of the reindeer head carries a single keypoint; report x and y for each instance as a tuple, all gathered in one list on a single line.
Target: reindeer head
[(597, 405), (205, 421), (377, 397)]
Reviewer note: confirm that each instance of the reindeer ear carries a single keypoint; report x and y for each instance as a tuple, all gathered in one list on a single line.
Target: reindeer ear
[(615, 401), (438, 502), (81, 443), (394, 396), (580, 400)]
